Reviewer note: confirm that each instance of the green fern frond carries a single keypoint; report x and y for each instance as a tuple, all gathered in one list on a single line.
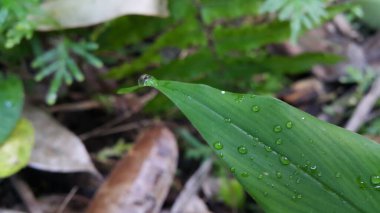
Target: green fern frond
[(59, 62), (300, 13)]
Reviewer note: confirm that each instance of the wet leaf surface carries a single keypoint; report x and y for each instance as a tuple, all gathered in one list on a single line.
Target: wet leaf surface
[(286, 159)]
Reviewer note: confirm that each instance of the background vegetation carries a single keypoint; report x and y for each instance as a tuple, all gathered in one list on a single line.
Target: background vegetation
[(318, 55)]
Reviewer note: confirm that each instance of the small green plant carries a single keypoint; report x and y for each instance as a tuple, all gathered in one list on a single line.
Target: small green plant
[(300, 13), (59, 62), (15, 21), (286, 159)]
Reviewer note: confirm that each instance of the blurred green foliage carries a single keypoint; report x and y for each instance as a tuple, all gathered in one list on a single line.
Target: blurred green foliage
[(221, 42), (15, 21), (218, 42)]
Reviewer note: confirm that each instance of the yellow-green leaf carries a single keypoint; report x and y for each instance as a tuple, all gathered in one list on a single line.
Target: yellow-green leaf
[(15, 152)]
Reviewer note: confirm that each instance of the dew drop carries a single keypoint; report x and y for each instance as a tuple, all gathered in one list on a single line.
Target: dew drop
[(278, 174), (252, 158), (361, 183), (279, 141), (338, 175), (232, 170), (255, 108), (313, 168), (239, 98), (147, 80), (268, 148), (299, 196), (221, 155), (227, 120), (284, 160), (242, 150), (277, 129), (319, 174), (260, 177), (223, 92), (375, 180), (244, 174), (218, 145), (289, 125)]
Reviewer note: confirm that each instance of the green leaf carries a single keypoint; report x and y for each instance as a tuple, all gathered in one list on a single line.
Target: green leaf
[(286, 159), (371, 12), (11, 102), (213, 10), (15, 152), (246, 38)]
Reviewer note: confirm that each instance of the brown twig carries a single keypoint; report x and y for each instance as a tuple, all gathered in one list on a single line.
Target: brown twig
[(79, 106), (114, 130), (67, 199), (192, 186), (364, 107), (26, 195)]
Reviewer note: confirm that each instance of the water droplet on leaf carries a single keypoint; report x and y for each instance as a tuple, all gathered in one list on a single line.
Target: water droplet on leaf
[(244, 174), (242, 150), (239, 98), (361, 183), (147, 80), (284, 160), (255, 108), (279, 141), (268, 148), (221, 155), (277, 129), (218, 145), (289, 125), (232, 169), (278, 174), (375, 180)]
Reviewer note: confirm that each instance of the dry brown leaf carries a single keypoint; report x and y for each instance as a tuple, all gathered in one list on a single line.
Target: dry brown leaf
[(82, 13), (56, 148), (139, 183)]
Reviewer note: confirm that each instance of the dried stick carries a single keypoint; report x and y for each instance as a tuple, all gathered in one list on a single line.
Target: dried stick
[(192, 186), (26, 195), (364, 108)]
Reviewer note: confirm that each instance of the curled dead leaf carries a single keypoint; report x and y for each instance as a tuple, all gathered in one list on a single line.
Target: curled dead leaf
[(56, 148), (141, 180), (74, 13)]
